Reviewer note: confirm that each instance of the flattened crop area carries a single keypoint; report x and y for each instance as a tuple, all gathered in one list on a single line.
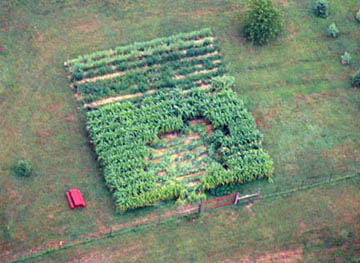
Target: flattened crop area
[(182, 156), (158, 132)]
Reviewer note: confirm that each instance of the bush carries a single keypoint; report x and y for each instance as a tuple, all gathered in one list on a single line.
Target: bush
[(333, 31), (358, 16), (263, 22), (222, 83), (321, 8), (23, 168), (356, 80), (346, 59)]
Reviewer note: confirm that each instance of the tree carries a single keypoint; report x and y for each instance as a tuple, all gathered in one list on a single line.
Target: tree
[(263, 22), (356, 80), (23, 168), (358, 16), (321, 8)]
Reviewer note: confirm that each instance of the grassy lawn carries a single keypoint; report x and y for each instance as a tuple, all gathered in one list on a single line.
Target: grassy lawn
[(296, 88), (319, 225)]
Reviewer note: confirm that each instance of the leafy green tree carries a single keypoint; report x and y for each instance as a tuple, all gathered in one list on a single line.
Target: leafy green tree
[(321, 8), (358, 16), (23, 168), (356, 80), (263, 22)]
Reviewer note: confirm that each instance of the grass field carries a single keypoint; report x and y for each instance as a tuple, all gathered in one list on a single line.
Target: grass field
[(315, 226), (296, 88)]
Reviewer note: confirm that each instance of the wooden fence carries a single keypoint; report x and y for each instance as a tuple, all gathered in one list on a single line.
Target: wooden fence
[(224, 201)]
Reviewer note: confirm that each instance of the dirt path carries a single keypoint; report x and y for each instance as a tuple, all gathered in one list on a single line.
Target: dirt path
[(107, 76), (117, 98), (292, 255), (204, 71)]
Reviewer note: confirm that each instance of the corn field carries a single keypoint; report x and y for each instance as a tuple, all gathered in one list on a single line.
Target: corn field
[(140, 167)]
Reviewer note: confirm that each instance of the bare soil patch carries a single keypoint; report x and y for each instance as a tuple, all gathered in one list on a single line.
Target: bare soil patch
[(294, 255), (107, 76), (209, 127), (284, 2), (190, 175), (101, 102), (159, 151), (177, 155), (70, 117), (169, 136), (196, 73), (117, 98)]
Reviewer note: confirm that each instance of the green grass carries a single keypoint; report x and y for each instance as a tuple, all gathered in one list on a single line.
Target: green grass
[(315, 226), (296, 88)]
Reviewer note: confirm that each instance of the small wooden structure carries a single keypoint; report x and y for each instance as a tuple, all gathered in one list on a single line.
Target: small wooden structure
[(238, 197), (232, 199), (75, 198)]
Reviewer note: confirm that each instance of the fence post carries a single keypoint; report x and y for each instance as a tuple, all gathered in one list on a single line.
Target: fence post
[(236, 198)]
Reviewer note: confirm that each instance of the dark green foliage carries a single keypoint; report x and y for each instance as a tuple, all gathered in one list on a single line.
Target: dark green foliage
[(263, 22), (121, 132), (23, 168), (321, 8), (175, 41), (224, 190), (355, 81), (141, 80), (177, 61), (146, 60)]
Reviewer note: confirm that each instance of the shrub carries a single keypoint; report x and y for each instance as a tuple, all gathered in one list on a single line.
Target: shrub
[(321, 8), (346, 59), (23, 168), (263, 22), (333, 31), (358, 16), (356, 80), (221, 83)]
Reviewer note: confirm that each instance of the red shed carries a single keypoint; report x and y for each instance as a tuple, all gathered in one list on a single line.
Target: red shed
[(75, 198)]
